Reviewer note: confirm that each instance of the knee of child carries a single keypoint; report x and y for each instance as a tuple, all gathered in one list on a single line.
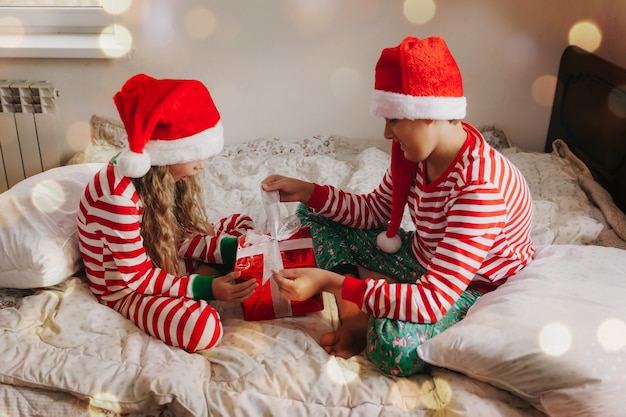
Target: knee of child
[(204, 332), (393, 348)]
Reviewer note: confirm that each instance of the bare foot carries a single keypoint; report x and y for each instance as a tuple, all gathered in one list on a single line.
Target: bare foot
[(342, 343), (349, 339)]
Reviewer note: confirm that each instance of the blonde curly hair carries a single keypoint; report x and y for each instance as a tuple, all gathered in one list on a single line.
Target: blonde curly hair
[(171, 210)]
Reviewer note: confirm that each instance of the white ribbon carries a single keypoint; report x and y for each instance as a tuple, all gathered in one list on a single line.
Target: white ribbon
[(271, 245)]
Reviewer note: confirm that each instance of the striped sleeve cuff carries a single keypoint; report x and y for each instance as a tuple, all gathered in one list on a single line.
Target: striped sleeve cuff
[(319, 197), (353, 290)]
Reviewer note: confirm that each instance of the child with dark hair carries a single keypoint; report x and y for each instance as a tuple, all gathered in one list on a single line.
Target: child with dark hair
[(471, 209)]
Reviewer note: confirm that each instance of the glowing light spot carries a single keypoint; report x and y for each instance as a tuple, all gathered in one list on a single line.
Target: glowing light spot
[(48, 196), (586, 34), (200, 23), (345, 82), (419, 12), (116, 41), (555, 339), (612, 334), (543, 90), (342, 372), (617, 101), (111, 401), (116, 7), (406, 394), (78, 136)]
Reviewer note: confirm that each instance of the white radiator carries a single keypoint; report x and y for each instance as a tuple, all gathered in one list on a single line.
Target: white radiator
[(28, 140)]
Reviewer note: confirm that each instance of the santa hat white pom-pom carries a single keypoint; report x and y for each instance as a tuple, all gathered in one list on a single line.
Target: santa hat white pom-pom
[(133, 165), (389, 244)]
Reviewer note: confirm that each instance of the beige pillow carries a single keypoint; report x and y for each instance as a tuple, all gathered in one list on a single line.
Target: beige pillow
[(108, 138)]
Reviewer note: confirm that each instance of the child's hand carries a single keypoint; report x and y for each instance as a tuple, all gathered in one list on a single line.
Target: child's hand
[(302, 283), (226, 289), (290, 189)]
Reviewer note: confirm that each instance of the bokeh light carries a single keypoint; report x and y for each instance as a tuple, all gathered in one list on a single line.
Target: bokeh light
[(419, 12), (555, 339), (117, 45), (116, 7), (612, 334), (543, 90), (48, 196), (345, 82), (78, 136), (200, 23), (406, 394), (111, 400), (585, 34), (342, 372)]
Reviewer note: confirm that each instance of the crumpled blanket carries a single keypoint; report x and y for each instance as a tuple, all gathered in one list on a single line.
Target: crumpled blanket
[(62, 339)]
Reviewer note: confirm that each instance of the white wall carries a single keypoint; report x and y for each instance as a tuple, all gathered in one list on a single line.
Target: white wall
[(294, 68)]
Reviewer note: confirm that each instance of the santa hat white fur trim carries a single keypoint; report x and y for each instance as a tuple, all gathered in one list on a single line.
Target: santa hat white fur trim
[(402, 106), (197, 147), (156, 152)]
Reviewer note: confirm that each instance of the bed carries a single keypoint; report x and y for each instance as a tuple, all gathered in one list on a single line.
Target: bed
[(549, 342)]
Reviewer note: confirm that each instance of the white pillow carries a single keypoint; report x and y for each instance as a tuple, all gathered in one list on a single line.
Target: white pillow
[(38, 234), (555, 333)]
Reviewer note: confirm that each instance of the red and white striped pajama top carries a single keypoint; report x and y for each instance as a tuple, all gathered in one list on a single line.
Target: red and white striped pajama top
[(472, 228), (123, 277)]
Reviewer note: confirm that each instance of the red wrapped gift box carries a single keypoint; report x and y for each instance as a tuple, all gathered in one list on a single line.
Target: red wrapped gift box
[(295, 252)]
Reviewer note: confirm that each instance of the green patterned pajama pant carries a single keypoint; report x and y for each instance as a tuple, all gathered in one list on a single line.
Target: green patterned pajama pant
[(391, 344)]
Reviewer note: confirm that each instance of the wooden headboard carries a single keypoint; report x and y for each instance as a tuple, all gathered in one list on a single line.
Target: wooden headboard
[(589, 114)]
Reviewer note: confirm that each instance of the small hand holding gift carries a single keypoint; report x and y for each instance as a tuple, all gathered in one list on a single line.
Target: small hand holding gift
[(287, 245)]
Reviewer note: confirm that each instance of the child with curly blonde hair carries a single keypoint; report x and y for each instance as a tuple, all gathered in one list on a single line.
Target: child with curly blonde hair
[(149, 250)]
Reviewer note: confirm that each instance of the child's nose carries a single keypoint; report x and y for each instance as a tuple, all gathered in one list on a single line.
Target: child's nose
[(388, 132)]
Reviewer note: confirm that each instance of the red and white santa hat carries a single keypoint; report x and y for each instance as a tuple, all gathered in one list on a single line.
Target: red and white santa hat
[(418, 79), (168, 122)]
